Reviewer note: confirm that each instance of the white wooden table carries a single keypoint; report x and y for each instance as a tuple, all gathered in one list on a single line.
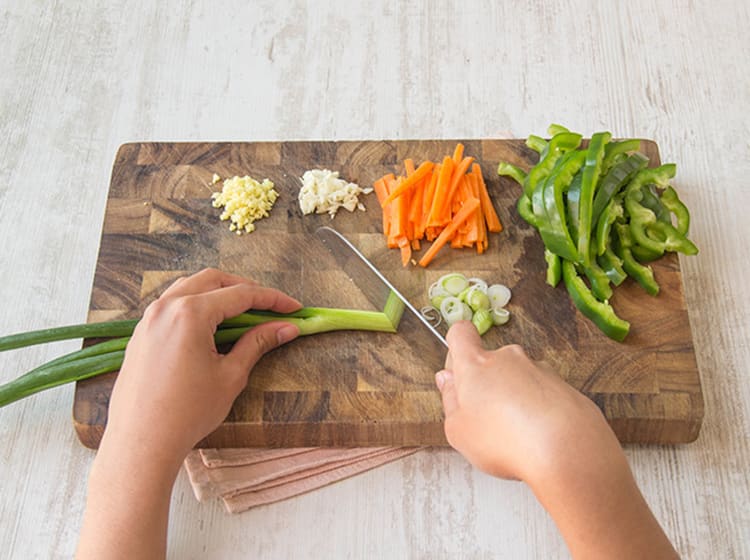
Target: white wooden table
[(76, 82)]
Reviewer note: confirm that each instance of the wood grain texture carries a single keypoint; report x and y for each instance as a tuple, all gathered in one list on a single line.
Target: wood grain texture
[(359, 389), (78, 83)]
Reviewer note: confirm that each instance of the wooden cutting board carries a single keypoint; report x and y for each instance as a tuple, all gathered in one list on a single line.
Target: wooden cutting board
[(361, 389)]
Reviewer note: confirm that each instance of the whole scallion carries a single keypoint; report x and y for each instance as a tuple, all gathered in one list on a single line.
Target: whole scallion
[(107, 356)]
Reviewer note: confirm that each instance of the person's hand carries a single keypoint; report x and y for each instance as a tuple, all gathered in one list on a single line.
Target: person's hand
[(174, 388), (513, 418)]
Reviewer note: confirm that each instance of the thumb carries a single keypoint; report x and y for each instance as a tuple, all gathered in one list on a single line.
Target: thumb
[(464, 343), (444, 381), (258, 341)]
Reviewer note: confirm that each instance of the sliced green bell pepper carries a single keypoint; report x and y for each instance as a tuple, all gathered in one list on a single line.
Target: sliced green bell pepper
[(553, 225), (505, 169), (612, 212), (672, 202), (644, 275), (589, 181), (554, 268), (558, 145), (599, 312), (574, 200), (612, 266), (615, 149), (615, 180)]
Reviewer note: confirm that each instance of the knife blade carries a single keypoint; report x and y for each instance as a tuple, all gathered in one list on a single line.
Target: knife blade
[(426, 342)]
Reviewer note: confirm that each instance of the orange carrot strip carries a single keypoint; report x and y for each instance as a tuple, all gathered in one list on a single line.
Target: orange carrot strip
[(458, 173), (410, 181), (493, 222), (415, 208), (429, 194), (405, 247), (409, 166), (381, 191), (469, 206), (440, 201), (458, 153)]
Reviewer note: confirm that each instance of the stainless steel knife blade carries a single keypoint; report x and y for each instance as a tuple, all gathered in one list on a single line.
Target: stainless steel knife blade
[(426, 342)]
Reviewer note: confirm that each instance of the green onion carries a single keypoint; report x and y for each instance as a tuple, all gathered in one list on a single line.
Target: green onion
[(107, 356)]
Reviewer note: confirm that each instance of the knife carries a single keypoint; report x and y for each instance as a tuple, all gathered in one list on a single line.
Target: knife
[(425, 341)]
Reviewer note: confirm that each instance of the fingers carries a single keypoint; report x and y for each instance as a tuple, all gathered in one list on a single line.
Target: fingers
[(444, 381), (224, 303), (206, 280), (464, 342), (257, 342)]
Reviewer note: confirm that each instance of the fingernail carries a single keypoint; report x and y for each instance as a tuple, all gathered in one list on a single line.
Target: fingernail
[(286, 333), (440, 379)]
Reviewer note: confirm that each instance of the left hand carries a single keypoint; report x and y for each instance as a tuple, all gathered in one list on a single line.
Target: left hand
[(174, 387)]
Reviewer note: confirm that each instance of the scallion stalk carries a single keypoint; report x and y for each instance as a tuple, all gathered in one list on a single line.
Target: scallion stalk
[(107, 356)]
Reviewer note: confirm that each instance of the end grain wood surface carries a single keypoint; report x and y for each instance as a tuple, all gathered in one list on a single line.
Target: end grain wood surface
[(369, 389), (78, 81)]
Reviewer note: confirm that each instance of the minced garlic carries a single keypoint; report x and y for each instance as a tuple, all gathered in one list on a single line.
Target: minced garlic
[(322, 191), (245, 200)]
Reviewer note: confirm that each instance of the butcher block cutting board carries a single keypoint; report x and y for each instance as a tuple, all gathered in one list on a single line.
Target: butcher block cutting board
[(363, 389)]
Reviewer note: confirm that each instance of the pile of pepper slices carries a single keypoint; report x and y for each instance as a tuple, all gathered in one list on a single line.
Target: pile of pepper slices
[(603, 215)]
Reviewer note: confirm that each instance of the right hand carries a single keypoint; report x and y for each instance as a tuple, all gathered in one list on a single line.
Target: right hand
[(512, 418)]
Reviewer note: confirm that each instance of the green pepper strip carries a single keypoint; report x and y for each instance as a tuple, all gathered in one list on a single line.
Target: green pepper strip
[(644, 255), (611, 213), (644, 275), (554, 229), (556, 129), (525, 211), (652, 201), (615, 180), (558, 145), (647, 230), (612, 266), (554, 268), (599, 312), (574, 199), (505, 169), (615, 149), (672, 202), (536, 143), (591, 172)]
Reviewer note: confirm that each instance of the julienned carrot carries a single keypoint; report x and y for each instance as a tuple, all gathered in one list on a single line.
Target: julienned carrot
[(410, 181), (437, 215), (466, 210), (458, 153), (430, 202), (493, 222)]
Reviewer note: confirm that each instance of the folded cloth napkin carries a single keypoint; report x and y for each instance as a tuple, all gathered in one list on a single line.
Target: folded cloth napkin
[(246, 478)]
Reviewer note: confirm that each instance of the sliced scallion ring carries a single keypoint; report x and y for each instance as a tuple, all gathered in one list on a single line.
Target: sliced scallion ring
[(453, 310), (479, 283), (432, 315), (499, 295), (453, 283), (500, 315)]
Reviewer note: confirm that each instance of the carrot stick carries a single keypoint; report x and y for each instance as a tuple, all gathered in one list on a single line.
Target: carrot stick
[(415, 208), (466, 210), (458, 153), (410, 181), (458, 172), (429, 194), (409, 166), (437, 214), (381, 190), (405, 247), (493, 222)]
